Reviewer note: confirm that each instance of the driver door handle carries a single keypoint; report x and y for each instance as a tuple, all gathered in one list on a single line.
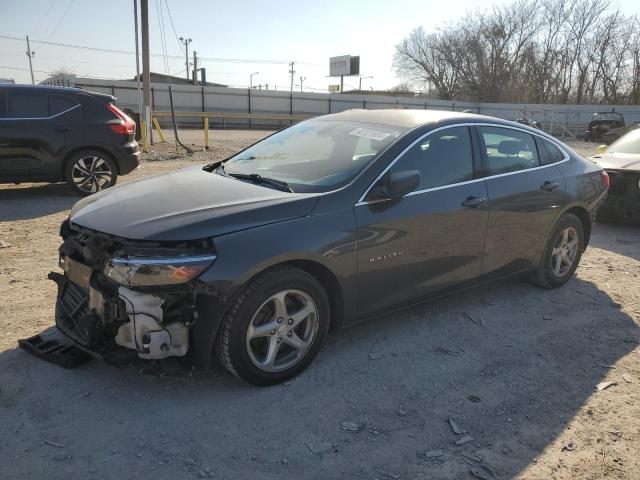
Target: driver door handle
[(549, 186), (473, 202)]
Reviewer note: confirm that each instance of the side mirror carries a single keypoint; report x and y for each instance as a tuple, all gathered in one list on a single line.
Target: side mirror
[(395, 185), (602, 148)]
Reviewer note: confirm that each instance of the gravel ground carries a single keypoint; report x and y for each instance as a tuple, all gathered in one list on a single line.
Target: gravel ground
[(514, 367)]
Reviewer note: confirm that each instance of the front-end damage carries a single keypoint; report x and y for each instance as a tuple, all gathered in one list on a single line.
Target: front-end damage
[(139, 295), (623, 199)]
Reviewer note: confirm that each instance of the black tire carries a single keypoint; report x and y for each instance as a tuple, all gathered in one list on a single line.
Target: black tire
[(232, 342), (546, 276), (90, 171)]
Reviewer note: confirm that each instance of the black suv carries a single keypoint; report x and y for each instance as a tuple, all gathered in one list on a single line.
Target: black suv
[(52, 134), (605, 127)]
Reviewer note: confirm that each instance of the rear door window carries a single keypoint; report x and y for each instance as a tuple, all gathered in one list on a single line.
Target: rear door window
[(442, 158), (59, 104), (508, 150), (28, 105)]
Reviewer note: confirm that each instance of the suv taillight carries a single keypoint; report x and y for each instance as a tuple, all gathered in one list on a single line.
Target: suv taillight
[(605, 179), (126, 126)]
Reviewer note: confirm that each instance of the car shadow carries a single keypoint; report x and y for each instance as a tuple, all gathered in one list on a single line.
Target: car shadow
[(623, 239), (511, 363), (28, 201)]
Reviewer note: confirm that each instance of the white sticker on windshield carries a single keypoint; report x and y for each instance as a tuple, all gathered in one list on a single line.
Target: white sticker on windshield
[(370, 133)]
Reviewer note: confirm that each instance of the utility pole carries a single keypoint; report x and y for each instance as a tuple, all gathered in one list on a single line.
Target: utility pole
[(251, 79), (195, 67), (146, 65), (138, 79), (186, 42), (292, 72), (30, 54), (360, 84), (302, 79)]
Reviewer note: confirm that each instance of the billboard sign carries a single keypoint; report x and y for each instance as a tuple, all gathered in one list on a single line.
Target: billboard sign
[(344, 65)]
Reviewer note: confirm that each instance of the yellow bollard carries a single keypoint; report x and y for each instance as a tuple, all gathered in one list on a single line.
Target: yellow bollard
[(206, 133), (143, 135), (154, 120)]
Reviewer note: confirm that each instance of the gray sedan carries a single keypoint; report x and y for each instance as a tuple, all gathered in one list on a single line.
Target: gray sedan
[(334, 220)]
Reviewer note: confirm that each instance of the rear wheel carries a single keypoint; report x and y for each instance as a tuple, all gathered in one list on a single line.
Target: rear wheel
[(90, 171), (562, 253), (275, 327)]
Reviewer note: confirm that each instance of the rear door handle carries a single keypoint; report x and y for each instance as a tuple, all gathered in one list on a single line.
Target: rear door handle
[(473, 202), (63, 129), (549, 186)]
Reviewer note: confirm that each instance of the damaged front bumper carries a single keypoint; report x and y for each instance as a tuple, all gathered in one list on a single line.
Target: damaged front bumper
[(623, 199), (100, 314)]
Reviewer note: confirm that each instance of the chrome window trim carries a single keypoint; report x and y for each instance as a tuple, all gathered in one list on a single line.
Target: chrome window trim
[(40, 118), (566, 158)]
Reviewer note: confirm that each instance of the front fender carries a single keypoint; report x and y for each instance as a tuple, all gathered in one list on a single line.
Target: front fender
[(326, 238)]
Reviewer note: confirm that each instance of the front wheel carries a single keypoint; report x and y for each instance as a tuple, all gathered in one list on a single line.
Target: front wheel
[(275, 327), (90, 171), (562, 253)]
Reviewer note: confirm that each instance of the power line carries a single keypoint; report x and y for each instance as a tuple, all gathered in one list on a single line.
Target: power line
[(125, 52), (55, 29), (172, 25), (46, 15), (163, 40)]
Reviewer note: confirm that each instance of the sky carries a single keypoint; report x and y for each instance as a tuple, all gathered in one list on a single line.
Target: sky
[(234, 38)]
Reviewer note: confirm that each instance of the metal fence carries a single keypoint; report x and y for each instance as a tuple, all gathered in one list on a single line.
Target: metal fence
[(565, 120)]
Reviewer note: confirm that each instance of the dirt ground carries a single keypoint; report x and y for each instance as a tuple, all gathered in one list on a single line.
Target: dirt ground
[(515, 368)]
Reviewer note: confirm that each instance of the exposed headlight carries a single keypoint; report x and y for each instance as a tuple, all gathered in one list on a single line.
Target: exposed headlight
[(133, 271)]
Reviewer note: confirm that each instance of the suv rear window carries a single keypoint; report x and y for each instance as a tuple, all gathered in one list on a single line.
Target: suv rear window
[(59, 104), (28, 105)]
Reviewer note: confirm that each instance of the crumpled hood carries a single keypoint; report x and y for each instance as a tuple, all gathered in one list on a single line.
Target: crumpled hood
[(618, 161), (186, 204)]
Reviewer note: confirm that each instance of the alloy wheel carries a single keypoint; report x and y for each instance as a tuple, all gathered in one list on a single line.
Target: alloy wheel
[(282, 330), (565, 251), (92, 174)]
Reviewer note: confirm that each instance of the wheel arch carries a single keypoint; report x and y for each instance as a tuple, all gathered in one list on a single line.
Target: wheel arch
[(585, 218), (329, 282), (74, 150)]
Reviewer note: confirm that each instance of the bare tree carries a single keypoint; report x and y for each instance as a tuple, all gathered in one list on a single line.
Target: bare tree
[(529, 51), (430, 59)]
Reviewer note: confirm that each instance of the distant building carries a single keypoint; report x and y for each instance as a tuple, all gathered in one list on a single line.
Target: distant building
[(156, 78), (173, 80)]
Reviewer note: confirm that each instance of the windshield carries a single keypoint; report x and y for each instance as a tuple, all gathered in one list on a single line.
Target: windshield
[(607, 116), (629, 143), (316, 155)]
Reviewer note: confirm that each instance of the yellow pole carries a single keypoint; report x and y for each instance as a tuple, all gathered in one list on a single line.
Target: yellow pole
[(206, 133), (158, 129), (143, 133)]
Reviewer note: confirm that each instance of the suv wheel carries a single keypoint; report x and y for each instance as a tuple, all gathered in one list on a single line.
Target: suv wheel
[(562, 253), (90, 171), (275, 327)]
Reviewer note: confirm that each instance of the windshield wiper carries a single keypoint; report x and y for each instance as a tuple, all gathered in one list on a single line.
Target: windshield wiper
[(257, 178), (254, 177)]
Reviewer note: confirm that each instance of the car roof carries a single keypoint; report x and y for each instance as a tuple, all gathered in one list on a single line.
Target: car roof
[(54, 89), (412, 118)]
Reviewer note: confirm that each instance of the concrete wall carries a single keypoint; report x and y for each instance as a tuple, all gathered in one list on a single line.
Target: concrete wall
[(195, 98)]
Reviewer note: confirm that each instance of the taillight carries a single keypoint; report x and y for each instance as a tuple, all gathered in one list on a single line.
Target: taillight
[(126, 126), (605, 179)]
